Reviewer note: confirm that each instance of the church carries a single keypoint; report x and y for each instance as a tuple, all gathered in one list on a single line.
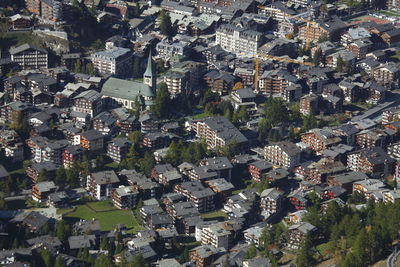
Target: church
[(126, 93)]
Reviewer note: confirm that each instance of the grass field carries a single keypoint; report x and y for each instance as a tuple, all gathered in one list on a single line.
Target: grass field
[(108, 219), (201, 116), (214, 215)]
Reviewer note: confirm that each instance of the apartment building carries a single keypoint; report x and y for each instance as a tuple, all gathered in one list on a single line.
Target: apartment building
[(309, 104), (368, 187), (91, 140), (89, 102), (35, 169), (33, 6), (184, 76), (218, 132), (284, 154), (125, 197), (374, 161), (116, 61), (101, 184), (330, 28), (203, 198), (72, 154), (244, 97), (11, 145), (203, 255), (43, 149), (167, 48), (386, 74), (118, 148), (271, 202), (28, 56), (42, 190), (52, 10), (298, 232), (319, 139), (218, 235), (372, 138), (258, 169), (276, 81), (238, 39)]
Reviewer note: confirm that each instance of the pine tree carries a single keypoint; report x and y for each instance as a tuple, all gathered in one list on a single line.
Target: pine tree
[(162, 102), (59, 262), (165, 23), (305, 258)]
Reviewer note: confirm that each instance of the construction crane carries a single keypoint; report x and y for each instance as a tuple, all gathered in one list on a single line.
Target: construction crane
[(308, 21)]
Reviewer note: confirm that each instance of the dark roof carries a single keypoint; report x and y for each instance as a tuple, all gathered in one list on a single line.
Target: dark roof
[(24, 47)]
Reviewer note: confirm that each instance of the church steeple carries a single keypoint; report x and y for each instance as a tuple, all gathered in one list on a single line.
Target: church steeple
[(150, 76)]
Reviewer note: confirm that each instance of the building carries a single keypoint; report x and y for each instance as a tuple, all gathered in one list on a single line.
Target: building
[(203, 198), (258, 169), (386, 74), (184, 76), (204, 255), (19, 21), (33, 6), (129, 93), (218, 132), (125, 197), (72, 154), (330, 28), (118, 148), (284, 154), (52, 10), (298, 232), (91, 140), (319, 139), (238, 39), (28, 56), (100, 185), (218, 235), (89, 102), (116, 61), (167, 49), (373, 161), (271, 202), (42, 190)]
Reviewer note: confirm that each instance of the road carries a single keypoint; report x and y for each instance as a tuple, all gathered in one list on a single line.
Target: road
[(391, 260)]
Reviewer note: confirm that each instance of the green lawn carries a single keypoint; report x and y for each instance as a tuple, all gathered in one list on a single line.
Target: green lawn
[(101, 205), (112, 165), (201, 116), (214, 215), (108, 219), (390, 13)]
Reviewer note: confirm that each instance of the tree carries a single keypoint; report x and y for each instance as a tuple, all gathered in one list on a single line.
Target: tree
[(251, 252), (135, 137), (90, 70), (46, 257), (305, 258), (59, 262), (147, 163), (161, 105), (103, 261), (317, 57), (135, 12), (243, 115), (61, 177), (62, 230), (3, 204), (276, 111), (78, 66), (136, 69), (42, 177), (19, 123), (339, 64), (165, 23), (138, 261)]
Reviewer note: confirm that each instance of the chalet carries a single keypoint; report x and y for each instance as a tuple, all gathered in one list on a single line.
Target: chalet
[(271, 202), (91, 140), (118, 149), (283, 154), (374, 161), (72, 154), (346, 180)]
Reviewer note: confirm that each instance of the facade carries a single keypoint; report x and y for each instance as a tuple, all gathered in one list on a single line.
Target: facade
[(100, 185), (89, 102), (125, 197), (218, 132), (217, 235), (238, 39), (284, 154), (29, 57), (52, 10), (33, 6), (374, 161), (42, 190), (116, 61), (118, 149)]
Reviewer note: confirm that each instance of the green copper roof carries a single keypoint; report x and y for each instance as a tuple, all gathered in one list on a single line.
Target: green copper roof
[(124, 89)]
